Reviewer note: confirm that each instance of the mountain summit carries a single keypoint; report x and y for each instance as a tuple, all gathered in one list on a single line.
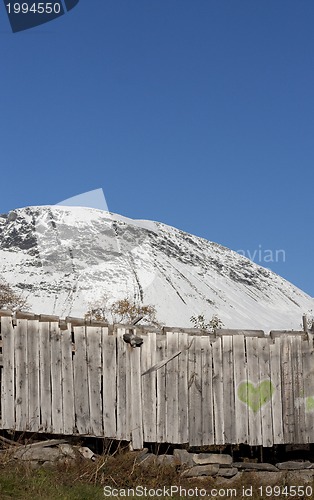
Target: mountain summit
[(64, 258)]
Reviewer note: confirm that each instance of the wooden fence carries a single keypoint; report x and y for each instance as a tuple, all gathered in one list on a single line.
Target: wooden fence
[(232, 387)]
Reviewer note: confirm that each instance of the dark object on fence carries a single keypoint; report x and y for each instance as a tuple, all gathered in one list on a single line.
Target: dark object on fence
[(134, 340)]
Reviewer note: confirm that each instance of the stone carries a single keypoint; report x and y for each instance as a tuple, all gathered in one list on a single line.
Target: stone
[(302, 477), (67, 450), (86, 452), (294, 465), (252, 466), (167, 460), (227, 471), (212, 458), (183, 457), (37, 454), (201, 470), (147, 460)]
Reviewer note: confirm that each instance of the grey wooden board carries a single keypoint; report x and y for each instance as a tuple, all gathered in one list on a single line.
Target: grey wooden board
[(183, 400), (161, 423), (21, 367), (56, 379), (254, 414), (195, 393), (94, 368), (149, 394), (275, 371), (172, 389), (287, 391), (207, 392), (45, 376), (81, 392), (67, 382), (240, 380), (298, 389), (218, 397), (135, 401), (228, 388), (308, 378), (266, 404), (8, 375), (109, 354), (123, 427), (33, 375)]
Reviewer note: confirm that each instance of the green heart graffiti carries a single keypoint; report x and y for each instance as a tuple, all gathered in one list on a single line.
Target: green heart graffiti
[(256, 395)]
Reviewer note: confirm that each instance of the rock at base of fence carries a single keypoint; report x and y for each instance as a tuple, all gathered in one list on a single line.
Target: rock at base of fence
[(51, 452), (221, 466)]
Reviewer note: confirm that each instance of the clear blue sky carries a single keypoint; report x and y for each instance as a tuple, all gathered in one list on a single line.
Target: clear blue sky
[(196, 113)]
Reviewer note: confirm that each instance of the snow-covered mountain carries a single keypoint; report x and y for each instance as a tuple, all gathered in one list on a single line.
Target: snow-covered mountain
[(64, 258)]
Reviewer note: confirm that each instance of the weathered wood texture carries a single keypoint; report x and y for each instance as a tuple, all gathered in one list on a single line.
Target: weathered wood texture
[(235, 387)]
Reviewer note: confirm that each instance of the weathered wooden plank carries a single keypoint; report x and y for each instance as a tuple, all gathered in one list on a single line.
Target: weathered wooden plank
[(56, 379), (45, 376), (287, 391), (135, 400), (267, 392), (123, 417), (228, 383), (149, 399), (21, 367), (240, 381), (67, 382), (183, 400), (109, 354), (33, 375), (172, 389), (298, 390), (81, 393), (94, 369), (207, 392), (161, 424), (218, 392), (275, 376), (195, 393), (308, 384), (254, 413), (8, 375)]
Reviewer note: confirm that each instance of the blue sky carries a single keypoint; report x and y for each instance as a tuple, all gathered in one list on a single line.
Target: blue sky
[(196, 113)]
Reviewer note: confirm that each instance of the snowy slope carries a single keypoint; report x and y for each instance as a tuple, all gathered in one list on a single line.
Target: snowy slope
[(64, 258)]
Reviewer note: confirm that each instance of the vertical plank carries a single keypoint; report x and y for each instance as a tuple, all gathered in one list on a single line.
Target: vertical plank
[(228, 390), (240, 381), (67, 382), (45, 377), (298, 390), (195, 393), (135, 400), (81, 393), (123, 418), (254, 413), (308, 381), (149, 401), (161, 424), (21, 386), (56, 379), (218, 392), (94, 369), (275, 376), (287, 391), (8, 377), (207, 393), (33, 375), (183, 401), (109, 353), (266, 396), (172, 389)]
